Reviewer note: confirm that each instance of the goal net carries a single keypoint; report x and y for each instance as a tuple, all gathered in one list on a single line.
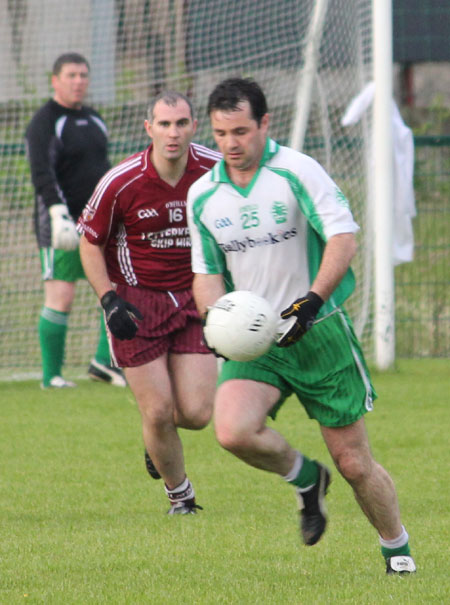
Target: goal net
[(310, 56)]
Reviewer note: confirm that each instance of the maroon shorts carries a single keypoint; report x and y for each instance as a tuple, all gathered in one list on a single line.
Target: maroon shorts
[(171, 324)]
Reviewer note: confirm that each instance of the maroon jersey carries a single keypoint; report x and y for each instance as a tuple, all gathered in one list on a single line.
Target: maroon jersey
[(141, 221)]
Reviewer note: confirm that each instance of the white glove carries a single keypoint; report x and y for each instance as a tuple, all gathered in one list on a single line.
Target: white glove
[(64, 232)]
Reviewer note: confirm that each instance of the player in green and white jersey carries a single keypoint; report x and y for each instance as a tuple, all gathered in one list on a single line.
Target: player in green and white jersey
[(288, 212), (269, 219)]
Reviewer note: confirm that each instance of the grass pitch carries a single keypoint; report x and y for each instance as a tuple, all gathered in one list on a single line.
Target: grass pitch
[(81, 522)]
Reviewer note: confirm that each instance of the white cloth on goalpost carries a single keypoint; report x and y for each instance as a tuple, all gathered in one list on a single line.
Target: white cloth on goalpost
[(403, 147)]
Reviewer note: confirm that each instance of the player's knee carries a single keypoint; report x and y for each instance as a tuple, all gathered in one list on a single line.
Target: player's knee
[(157, 418), (202, 418), (230, 437), (197, 421), (353, 466), (193, 415)]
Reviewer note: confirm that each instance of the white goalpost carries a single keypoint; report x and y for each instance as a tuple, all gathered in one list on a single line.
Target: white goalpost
[(308, 75), (379, 160), (383, 185)]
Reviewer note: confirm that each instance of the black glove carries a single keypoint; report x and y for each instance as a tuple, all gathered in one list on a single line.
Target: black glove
[(120, 316), (305, 310)]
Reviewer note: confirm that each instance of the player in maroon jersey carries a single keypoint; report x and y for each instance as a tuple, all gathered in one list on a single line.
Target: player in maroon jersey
[(135, 250)]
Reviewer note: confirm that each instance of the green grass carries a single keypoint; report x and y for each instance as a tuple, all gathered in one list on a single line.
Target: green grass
[(81, 522)]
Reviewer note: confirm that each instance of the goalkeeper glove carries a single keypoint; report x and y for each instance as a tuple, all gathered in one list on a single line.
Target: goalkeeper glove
[(305, 310), (120, 315), (64, 232)]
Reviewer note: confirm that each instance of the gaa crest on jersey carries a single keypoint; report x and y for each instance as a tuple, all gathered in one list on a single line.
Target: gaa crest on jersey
[(223, 222), (147, 213), (88, 214), (279, 212)]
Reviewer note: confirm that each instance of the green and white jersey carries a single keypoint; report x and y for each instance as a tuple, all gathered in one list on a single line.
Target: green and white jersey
[(270, 236)]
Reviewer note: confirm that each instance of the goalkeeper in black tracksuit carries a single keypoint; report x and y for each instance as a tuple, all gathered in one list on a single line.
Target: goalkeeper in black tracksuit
[(67, 149)]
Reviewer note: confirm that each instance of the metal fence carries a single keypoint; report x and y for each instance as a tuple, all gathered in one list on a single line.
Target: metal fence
[(423, 286)]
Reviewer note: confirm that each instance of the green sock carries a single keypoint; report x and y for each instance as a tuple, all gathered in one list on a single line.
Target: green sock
[(393, 552), (308, 475), (52, 337), (103, 355)]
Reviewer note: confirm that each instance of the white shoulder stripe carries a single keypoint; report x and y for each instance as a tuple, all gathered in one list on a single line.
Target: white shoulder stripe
[(121, 168), (211, 156), (100, 124), (201, 150), (59, 126), (112, 174), (125, 185)]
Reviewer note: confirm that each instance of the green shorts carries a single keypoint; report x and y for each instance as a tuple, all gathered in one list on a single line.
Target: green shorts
[(61, 264), (325, 369)]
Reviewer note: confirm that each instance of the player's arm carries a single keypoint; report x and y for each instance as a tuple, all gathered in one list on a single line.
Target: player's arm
[(336, 259), (94, 265), (43, 150), (207, 288), (121, 316), (330, 216)]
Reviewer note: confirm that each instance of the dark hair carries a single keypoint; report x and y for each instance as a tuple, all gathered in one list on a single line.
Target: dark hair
[(228, 95), (68, 58), (170, 97)]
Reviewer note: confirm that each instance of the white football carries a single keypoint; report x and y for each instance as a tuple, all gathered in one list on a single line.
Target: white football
[(241, 326)]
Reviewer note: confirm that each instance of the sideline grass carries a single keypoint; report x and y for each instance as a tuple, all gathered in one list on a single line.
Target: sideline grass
[(80, 521)]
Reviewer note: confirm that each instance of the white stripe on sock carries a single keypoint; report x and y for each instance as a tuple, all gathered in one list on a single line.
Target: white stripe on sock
[(295, 470), (396, 542)]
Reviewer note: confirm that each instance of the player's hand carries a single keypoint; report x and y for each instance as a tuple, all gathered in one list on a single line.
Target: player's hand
[(305, 310), (64, 232), (121, 316), (212, 349)]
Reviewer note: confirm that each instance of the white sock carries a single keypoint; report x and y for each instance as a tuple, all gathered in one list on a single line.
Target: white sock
[(396, 542), (182, 492), (298, 463)]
